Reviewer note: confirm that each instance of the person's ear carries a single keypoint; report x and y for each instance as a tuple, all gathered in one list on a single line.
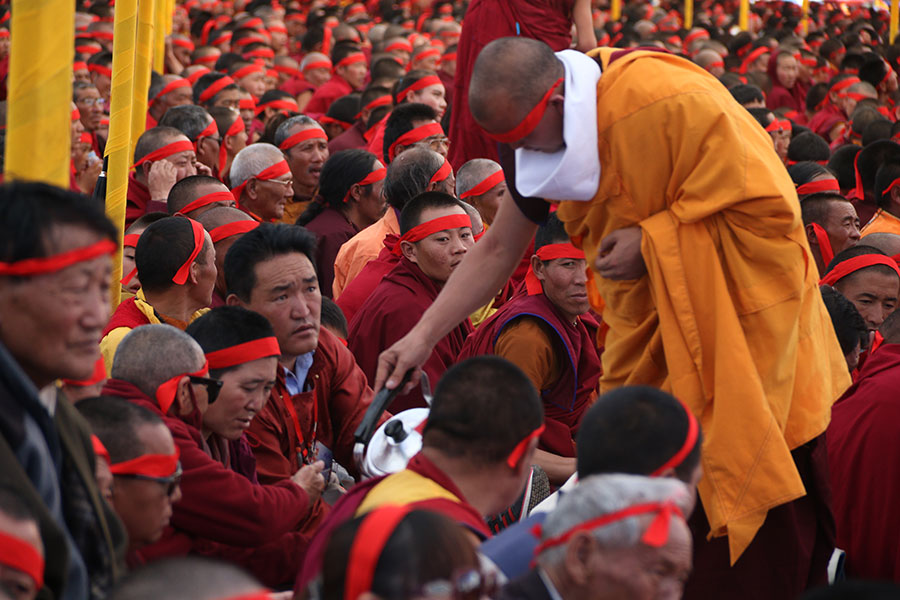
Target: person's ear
[(230, 142), (537, 265), (355, 192), (184, 401), (580, 552), (811, 235), (251, 190), (409, 251), (145, 168), (194, 273), (233, 300), (895, 195)]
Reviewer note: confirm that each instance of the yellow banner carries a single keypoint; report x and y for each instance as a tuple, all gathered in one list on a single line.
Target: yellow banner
[(38, 120), (688, 14), (143, 55), (744, 17), (159, 35)]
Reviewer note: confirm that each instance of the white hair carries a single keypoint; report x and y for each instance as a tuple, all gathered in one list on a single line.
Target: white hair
[(473, 172), (252, 160), (152, 354), (312, 57), (600, 495)]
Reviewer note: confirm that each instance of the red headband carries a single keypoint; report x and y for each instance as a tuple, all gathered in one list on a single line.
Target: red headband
[(656, 535), (277, 29), (165, 393), (778, 125), (97, 376), (844, 84), (530, 121), (851, 265), (131, 239), (815, 187), (288, 70), (101, 35), (385, 100), (421, 84), (426, 54), (485, 185), (690, 441), (317, 64), (79, 65), (30, 267), (206, 200), (237, 126), (90, 49), (892, 185), (276, 170), (695, 36), (753, 56), (4, 34), (259, 53), (302, 136), (243, 353), (221, 38), (351, 59), (217, 234), (448, 56), (325, 120), (281, 104), (181, 274), (550, 252), (248, 103), (399, 45), (519, 451), (165, 152), (215, 87), (442, 173), (423, 230), (373, 177), (170, 87), (415, 135), (149, 465), (22, 556), (714, 64), (186, 44), (371, 537), (824, 244), (76, 114), (248, 70), (210, 131), (193, 77), (855, 95), (100, 69), (250, 39), (205, 31), (99, 449)]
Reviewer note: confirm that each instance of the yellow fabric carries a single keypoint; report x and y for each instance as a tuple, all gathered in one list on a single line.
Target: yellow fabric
[(482, 314), (882, 222), (403, 487), (729, 318), (361, 248), (38, 138), (293, 210), (143, 55)]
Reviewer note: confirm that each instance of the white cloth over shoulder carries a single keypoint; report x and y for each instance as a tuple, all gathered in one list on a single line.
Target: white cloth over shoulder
[(572, 173)]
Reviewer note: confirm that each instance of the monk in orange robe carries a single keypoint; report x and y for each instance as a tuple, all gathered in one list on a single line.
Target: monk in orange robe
[(697, 249), (887, 190)]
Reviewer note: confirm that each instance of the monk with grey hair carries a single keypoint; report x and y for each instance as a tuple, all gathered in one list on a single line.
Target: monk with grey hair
[(261, 181)]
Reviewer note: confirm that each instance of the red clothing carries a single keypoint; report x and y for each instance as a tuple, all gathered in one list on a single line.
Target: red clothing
[(549, 21), (327, 93), (865, 468), (447, 80), (793, 97), (151, 122), (136, 201), (566, 401), (296, 86), (221, 511), (826, 119), (376, 141), (126, 315), (332, 229), (346, 508), (351, 139), (393, 308), (361, 287)]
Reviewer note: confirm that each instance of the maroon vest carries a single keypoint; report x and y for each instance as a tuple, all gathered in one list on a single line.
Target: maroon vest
[(567, 399), (126, 315)]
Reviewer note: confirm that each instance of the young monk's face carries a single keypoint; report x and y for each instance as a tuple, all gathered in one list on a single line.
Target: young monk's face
[(873, 292)]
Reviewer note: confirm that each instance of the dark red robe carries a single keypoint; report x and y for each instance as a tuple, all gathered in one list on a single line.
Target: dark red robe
[(361, 287), (567, 399), (328, 92), (126, 315), (332, 230), (136, 200), (351, 139), (826, 119), (865, 468), (389, 313)]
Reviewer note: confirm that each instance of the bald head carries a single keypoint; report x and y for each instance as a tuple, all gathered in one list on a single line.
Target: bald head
[(221, 215), (704, 58), (188, 578), (474, 216), (510, 77), (152, 354), (890, 329), (192, 188), (155, 138), (889, 243), (474, 172)]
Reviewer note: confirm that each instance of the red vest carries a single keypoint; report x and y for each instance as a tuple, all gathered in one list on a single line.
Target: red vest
[(127, 315)]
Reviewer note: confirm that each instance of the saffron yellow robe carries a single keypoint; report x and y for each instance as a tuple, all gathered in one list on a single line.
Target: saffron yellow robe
[(728, 317), (882, 222)]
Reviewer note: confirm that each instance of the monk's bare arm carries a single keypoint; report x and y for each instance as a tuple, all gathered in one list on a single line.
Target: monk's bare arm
[(484, 271), (585, 38)]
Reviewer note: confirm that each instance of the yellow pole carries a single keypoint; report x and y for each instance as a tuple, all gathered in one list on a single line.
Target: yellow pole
[(895, 17), (688, 15), (159, 36), (170, 13), (615, 10), (118, 146), (38, 138), (142, 56), (805, 21), (744, 20)]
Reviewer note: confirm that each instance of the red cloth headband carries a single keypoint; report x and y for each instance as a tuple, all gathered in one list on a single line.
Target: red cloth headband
[(22, 556), (181, 274), (399, 45), (205, 31), (30, 267), (888, 189), (442, 173), (193, 77), (282, 104), (690, 441), (4, 34), (287, 70), (656, 535), (79, 65), (815, 187), (449, 56), (248, 70), (250, 39), (778, 125), (426, 54), (100, 69), (485, 185), (549, 252), (385, 100), (131, 239), (170, 87), (277, 29), (165, 393), (236, 127), (302, 136), (753, 56), (215, 87), (165, 152), (149, 465), (696, 35), (855, 95), (824, 244), (217, 234), (101, 35), (243, 353), (206, 200), (714, 64), (423, 230), (851, 265), (371, 537), (418, 85), (325, 120), (248, 104), (88, 49), (187, 44), (530, 121), (351, 59), (76, 114), (373, 177), (97, 376), (221, 38), (415, 135), (276, 170), (844, 84), (519, 451), (99, 449), (210, 131), (317, 64), (259, 53)]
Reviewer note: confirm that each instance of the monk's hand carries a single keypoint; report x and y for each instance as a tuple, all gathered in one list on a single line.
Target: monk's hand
[(163, 175), (87, 178), (203, 169), (409, 352), (310, 478), (619, 256)]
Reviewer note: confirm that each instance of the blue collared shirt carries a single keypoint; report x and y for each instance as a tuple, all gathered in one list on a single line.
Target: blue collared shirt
[(296, 379)]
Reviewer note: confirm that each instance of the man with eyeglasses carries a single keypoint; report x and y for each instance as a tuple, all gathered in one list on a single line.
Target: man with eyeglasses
[(413, 124), (90, 106), (261, 182), (194, 122), (305, 148)]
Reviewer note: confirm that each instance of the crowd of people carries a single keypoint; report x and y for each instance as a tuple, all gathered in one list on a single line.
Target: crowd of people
[(428, 299)]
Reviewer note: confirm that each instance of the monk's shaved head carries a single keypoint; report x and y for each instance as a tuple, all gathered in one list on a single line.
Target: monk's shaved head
[(704, 58), (152, 354), (154, 139), (190, 188), (474, 172), (474, 216), (510, 77), (815, 208), (889, 243), (890, 329), (222, 215)]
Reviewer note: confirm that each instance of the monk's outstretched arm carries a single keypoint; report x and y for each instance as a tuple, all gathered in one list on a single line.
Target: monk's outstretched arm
[(486, 268)]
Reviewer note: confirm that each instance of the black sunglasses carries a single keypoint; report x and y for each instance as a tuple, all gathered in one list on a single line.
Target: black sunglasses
[(213, 386), (171, 483)]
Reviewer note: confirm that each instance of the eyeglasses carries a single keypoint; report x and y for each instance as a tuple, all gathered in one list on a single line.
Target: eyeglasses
[(213, 386), (90, 101), (171, 482), (469, 584), (288, 183)]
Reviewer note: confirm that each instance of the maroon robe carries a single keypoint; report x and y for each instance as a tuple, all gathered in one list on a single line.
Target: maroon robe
[(389, 313), (779, 96), (447, 80), (567, 399), (361, 287), (865, 468), (332, 230), (136, 201), (296, 86), (826, 119), (328, 92), (126, 315), (353, 138)]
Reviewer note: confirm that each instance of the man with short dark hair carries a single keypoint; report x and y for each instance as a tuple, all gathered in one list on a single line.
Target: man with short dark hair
[(225, 226), (163, 156), (194, 122), (349, 74), (305, 148), (410, 124), (166, 92), (22, 562), (193, 196), (831, 226), (217, 89), (372, 98)]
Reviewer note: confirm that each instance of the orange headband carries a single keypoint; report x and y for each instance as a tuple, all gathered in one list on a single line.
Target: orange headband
[(442, 173), (413, 136), (549, 252), (301, 136), (276, 170), (485, 185), (371, 537), (423, 230), (851, 265), (22, 556), (815, 187), (30, 267), (373, 177), (149, 465), (778, 125), (243, 353), (418, 85), (246, 71), (170, 87), (519, 451), (206, 200), (165, 393), (351, 59), (221, 232), (165, 152), (530, 121), (690, 441)]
